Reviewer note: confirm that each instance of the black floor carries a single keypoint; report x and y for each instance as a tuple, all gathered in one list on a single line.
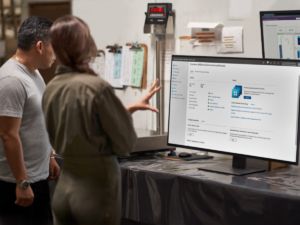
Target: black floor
[(131, 222)]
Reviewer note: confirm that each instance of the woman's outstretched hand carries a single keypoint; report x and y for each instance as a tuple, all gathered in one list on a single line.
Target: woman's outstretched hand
[(143, 103)]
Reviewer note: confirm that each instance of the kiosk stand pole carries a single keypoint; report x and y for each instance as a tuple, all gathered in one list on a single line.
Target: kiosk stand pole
[(159, 19), (160, 94)]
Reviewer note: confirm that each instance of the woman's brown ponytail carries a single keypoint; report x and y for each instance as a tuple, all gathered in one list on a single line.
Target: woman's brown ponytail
[(73, 43)]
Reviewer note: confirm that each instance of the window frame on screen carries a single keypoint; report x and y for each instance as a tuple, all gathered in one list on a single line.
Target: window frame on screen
[(279, 12), (228, 153)]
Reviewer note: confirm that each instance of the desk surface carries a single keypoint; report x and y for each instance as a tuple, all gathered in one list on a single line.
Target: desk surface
[(159, 191)]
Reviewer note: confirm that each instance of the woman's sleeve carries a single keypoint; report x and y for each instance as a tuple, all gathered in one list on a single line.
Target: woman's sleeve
[(116, 122)]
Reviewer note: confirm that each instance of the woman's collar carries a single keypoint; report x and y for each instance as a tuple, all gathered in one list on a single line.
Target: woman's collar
[(64, 69)]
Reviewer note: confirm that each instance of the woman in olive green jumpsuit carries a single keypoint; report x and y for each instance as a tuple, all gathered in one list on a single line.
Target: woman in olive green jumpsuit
[(89, 127)]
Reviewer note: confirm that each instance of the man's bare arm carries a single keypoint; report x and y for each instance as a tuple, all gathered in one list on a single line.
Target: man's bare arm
[(9, 133)]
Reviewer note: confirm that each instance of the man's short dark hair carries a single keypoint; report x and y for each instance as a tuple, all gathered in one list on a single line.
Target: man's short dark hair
[(32, 30)]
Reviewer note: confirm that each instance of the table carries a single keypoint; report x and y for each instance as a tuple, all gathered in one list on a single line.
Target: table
[(163, 192)]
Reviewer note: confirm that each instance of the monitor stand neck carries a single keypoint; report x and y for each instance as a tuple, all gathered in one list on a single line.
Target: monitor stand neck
[(239, 162)]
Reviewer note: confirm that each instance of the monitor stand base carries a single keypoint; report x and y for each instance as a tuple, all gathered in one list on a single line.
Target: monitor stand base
[(237, 168)]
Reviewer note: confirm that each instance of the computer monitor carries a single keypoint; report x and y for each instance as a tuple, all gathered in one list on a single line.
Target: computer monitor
[(244, 107), (280, 34)]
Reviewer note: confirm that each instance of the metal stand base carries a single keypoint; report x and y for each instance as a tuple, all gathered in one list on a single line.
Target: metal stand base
[(151, 141), (238, 167)]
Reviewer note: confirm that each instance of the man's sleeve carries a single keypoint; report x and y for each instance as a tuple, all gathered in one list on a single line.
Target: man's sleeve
[(12, 97), (116, 122)]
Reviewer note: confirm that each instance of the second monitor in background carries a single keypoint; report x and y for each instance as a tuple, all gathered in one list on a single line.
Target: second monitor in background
[(280, 34)]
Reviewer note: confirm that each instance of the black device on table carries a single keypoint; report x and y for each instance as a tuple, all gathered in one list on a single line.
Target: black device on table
[(243, 107), (188, 156), (184, 154)]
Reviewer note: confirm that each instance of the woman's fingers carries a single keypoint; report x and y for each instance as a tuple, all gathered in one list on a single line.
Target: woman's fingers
[(153, 109), (144, 102), (153, 85), (154, 91)]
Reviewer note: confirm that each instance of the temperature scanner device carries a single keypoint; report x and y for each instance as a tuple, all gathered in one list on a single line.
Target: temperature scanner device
[(159, 19)]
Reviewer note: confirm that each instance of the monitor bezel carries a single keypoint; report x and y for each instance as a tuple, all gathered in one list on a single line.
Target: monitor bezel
[(279, 12), (227, 153)]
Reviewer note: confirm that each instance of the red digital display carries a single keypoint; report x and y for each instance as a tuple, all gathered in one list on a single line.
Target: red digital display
[(161, 9)]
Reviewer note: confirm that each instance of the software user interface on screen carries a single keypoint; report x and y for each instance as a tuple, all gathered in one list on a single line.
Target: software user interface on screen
[(237, 106), (281, 34)]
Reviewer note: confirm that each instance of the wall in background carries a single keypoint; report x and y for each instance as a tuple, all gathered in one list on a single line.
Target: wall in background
[(122, 21), (25, 6)]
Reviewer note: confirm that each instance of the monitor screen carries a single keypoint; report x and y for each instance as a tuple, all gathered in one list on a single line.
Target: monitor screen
[(238, 106), (280, 33)]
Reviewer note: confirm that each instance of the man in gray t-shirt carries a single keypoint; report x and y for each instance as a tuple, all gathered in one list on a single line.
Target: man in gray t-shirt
[(26, 159), (21, 96)]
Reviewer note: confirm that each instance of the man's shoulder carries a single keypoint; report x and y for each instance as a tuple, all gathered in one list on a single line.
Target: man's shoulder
[(10, 81), (11, 69), (11, 85), (7, 65)]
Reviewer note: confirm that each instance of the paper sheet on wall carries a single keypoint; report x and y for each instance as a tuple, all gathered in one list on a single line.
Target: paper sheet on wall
[(126, 71), (202, 40), (172, 47), (2, 49), (137, 68), (110, 69), (118, 65), (204, 33), (99, 65), (231, 40), (239, 9)]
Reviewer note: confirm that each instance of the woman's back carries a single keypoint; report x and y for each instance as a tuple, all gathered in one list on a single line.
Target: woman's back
[(88, 126), (85, 120)]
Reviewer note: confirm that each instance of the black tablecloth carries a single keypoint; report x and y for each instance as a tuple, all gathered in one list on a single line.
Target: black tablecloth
[(159, 191)]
